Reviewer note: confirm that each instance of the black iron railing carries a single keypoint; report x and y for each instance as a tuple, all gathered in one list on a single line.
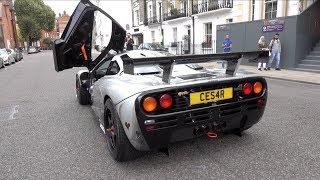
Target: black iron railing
[(174, 14), (211, 5)]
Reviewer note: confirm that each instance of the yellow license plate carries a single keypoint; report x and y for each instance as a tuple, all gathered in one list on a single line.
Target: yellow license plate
[(204, 97)]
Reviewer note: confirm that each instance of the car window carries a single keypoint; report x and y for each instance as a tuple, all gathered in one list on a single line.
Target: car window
[(113, 68), (103, 68)]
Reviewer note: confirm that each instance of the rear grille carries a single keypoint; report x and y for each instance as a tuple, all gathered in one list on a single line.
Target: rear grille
[(215, 115), (229, 110), (167, 122)]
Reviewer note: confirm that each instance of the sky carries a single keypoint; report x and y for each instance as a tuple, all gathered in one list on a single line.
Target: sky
[(120, 10)]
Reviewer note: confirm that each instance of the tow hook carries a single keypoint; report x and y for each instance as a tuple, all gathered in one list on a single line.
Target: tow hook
[(212, 135)]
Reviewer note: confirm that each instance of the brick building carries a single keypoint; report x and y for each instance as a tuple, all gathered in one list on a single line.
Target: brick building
[(8, 32), (62, 22)]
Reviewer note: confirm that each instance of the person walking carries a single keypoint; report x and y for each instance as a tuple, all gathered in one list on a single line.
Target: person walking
[(275, 49), (129, 42), (262, 46), (227, 45)]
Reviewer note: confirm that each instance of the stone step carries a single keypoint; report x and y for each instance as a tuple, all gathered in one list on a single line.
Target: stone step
[(316, 48), (313, 57), (308, 66), (311, 62), (307, 70), (315, 53)]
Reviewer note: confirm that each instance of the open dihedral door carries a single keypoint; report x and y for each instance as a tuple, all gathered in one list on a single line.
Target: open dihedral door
[(88, 37)]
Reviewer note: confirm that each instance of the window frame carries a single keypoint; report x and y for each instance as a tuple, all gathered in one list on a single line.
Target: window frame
[(272, 13), (175, 34), (253, 7), (207, 35)]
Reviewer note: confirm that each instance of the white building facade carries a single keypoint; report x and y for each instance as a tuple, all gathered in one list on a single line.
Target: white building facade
[(189, 26)]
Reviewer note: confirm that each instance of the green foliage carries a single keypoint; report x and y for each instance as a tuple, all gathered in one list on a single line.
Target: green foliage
[(32, 17), (47, 41)]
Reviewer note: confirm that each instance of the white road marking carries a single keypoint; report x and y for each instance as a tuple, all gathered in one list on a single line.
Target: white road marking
[(102, 128)]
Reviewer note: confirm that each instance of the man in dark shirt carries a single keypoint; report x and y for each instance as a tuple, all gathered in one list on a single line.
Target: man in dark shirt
[(227, 45), (129, 42)]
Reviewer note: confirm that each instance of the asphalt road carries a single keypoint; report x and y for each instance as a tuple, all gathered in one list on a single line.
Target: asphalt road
[(46, 134)]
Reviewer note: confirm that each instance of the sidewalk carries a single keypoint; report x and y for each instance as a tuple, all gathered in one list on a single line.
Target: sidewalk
[(290, 75)]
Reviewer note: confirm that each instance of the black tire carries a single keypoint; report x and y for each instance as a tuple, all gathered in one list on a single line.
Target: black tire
[(119, 145), (83, 94)]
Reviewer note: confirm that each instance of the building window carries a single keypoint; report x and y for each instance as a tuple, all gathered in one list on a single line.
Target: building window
[(153, 37), (253, 8), (171, 6), (175, 34), (136, 18), (150, 11), (230, 20), (271, 9), (207, 35)]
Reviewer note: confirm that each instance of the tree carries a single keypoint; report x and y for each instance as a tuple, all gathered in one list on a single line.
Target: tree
[(32, 17), (48, 42)]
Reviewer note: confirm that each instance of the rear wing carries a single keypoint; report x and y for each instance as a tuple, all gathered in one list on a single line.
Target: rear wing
[(167, 62)]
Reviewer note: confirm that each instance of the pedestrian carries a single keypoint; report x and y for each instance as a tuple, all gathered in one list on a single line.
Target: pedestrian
[(275, 50), (129, 42), (227, 45), (262, 46)]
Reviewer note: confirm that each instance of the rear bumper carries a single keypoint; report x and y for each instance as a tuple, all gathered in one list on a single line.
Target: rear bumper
[(180, 126)]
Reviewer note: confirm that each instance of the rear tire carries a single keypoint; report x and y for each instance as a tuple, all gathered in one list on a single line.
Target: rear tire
[(83, 94), (119, 145)]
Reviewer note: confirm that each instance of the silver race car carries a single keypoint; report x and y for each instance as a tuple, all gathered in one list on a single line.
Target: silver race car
[(145, 100)]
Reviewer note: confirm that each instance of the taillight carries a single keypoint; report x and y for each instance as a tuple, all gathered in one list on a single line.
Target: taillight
[(257, 87), (165, 101), (247, 89), (149, 104)]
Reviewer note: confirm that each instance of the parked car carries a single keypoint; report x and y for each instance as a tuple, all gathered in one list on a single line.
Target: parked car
[(145, 100), (38, 49), (1, 63), (152, 47), (19, 54), (7, 58), (32, 50), (14, 54)]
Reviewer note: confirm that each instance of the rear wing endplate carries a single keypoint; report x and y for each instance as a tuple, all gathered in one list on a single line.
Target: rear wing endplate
[(167, 62)]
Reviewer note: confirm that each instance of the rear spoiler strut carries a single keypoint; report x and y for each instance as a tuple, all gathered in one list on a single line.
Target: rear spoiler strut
[(167, 62)]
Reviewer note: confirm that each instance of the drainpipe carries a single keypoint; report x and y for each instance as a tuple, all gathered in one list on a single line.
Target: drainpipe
[(160, 17), (193, 34)]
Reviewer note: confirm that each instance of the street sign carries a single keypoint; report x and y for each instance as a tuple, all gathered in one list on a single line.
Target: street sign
[(275, 25)]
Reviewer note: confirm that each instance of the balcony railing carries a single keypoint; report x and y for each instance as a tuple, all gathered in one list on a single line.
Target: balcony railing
[(174, 14), (211, 6), (153, 20)]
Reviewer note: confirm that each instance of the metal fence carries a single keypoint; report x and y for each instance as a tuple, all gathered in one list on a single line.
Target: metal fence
[(211, 6), (179, 48)]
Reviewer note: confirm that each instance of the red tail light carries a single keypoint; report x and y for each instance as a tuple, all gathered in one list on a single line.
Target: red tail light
[(166, 101), (247, 89)]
